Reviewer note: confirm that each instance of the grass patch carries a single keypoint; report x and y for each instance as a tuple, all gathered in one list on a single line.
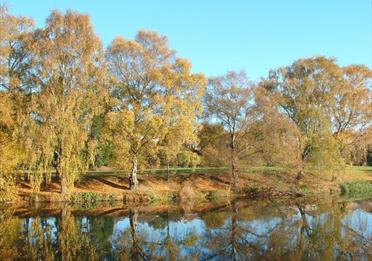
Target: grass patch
[(251, 190), (143, 196), (367, 169), (218, 195), (305, 189), (357, 188), (162, 172), (85, 197), (85, 200)]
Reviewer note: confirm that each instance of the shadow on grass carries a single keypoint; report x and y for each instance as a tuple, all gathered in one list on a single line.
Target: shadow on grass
[(120, 185)]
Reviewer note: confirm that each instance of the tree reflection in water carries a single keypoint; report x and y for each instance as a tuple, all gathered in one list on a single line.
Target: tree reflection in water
[(240, 231)]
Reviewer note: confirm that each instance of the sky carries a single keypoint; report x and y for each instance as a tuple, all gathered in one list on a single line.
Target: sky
[(218, 36)]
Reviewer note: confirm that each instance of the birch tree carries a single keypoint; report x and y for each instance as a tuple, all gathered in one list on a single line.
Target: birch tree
[(228, 101), (155, 96), (14, 97), (68, 78)]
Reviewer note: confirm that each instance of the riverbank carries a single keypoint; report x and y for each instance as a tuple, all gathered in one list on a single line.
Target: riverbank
[(189, 187), (118, 209)]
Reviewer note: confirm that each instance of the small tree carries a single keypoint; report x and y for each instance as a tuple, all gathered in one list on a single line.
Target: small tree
[(228, 101)]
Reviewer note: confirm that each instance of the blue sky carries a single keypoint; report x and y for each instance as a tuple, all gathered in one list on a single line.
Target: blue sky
[(217, 36)]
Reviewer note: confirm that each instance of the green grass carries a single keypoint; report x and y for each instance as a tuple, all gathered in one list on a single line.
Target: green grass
[(86, 197), (266, 170), (158, 172), (362, 168), (357, 188)]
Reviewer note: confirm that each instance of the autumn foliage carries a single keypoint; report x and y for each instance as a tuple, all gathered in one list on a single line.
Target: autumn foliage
[(68, 105)]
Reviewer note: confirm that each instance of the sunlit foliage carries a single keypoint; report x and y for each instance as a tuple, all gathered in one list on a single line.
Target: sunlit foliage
[(323, 100), (156, 100), (68, 76), (67, 105), (228, 101), (14, 65)]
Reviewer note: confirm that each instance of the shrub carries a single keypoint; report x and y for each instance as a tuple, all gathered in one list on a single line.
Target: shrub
[(85, 197), (186, 193)]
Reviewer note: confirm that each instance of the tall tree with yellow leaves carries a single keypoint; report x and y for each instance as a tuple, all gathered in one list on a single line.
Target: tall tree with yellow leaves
[(14, 64), (68, 79), (323, 100), (156, 96)]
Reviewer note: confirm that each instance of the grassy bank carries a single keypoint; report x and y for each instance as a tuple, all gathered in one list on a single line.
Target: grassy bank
[(204, 184), (357, 188)]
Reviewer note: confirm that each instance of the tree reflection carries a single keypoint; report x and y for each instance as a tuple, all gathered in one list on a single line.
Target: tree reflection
[(99, 230), (10, 229), (73, 244), (230, 241), (140, 244), (242, 231)]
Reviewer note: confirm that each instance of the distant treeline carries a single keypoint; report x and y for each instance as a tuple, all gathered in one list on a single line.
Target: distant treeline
[(68, 104)]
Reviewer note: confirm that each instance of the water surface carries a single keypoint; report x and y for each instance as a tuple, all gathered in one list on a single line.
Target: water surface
[(243, 230)]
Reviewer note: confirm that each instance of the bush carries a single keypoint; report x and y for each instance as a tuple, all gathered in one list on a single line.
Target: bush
[(186, 192), (85, 197)]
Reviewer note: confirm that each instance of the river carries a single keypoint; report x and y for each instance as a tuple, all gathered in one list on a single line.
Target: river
[(317, 229)]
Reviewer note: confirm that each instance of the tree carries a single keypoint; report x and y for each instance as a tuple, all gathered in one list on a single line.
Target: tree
[(14, 97), (15, 56), (325, 102), (68, 76), (156, 98), (273, 135), (352, 113), (352, 109), (228, 101), (305, 92)]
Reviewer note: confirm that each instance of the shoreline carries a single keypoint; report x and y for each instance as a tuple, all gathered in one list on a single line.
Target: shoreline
[(117, 209), (199, 187)]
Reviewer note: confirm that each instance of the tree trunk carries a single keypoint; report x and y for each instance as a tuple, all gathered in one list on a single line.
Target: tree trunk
[(300, 175), (305, 151), (234, 174), (133, 181), (301, 172), (234, 170), (64, 185)]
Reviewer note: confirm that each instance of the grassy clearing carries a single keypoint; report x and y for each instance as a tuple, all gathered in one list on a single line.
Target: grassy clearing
[(362, 169), (357, 188)]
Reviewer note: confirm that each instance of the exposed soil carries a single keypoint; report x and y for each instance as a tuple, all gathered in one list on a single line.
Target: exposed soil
[(251, 184)]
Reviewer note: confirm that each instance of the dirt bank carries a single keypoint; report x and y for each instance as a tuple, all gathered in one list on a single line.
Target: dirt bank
[(190, 187)]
